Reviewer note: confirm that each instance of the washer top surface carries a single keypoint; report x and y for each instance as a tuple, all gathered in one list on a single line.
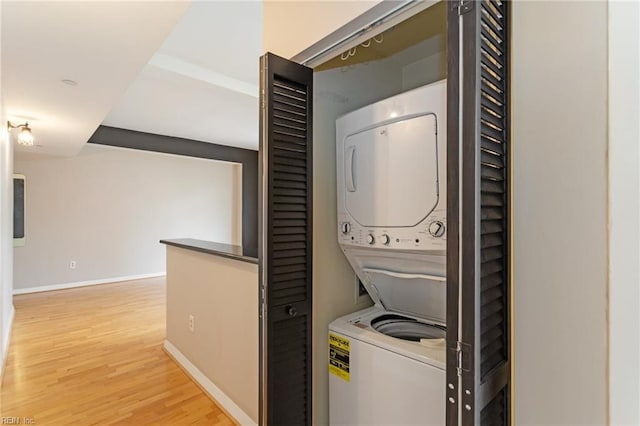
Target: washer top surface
[(414, 338)]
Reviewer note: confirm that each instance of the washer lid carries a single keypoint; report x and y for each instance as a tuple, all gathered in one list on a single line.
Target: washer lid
[(419, 295)]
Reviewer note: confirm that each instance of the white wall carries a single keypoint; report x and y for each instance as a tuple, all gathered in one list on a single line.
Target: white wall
[(624, 213), (6, 237), (3, 345), (6, 231), (107, 208), (289, 27), (559, 110)]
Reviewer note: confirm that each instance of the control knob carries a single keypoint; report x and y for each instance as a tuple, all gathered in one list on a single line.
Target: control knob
[(346, 227), (385, 239), (436, 229), (371, 239)]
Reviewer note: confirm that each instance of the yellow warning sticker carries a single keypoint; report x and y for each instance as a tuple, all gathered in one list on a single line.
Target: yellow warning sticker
[(339, 356)]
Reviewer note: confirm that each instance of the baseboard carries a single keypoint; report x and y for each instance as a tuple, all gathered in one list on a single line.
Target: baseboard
[(85, 283), (6, 343), (209, 387)]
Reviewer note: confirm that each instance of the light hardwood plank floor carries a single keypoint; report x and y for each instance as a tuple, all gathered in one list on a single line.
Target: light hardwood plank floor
[(93, 356)]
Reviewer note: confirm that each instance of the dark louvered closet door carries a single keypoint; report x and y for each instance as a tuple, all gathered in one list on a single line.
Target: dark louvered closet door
[(285, 242), (478, 252)]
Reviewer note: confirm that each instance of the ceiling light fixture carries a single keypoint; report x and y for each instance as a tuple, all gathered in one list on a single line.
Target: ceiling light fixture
[(25, 137)]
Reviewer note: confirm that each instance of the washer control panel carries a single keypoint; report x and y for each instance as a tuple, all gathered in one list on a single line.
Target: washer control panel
[(430, 234)]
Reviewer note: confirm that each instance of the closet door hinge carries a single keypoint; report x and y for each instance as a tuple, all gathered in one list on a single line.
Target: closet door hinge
[(459, 358), (463, 360), (462, 6)]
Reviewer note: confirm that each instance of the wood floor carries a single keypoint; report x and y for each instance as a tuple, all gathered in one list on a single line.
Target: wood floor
[(93, 356)]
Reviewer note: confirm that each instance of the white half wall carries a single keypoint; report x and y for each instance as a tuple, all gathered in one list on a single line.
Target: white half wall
[(107, 208), (559, 119), (624, 213), (219, 296)]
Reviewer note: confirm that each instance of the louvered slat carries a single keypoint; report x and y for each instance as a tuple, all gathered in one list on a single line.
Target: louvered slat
[(489, 268), (492, 79), (491, 276), (494, 319), (492, 108), (288, 276), (491, 240), (491, 186), (288, 103), (290, 284), (289, 161), (494, 412), (284, 153), (494, 135), (289, 228), (289, 143), (492, 148), (289, 261), (491, 173), (490, 226), (282, 238), (288, 253), (286, 269), (491, 35), (491, 213), (491, 120)]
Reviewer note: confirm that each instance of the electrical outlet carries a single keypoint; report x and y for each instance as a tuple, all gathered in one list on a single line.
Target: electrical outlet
[(72, 264), (191, 323)]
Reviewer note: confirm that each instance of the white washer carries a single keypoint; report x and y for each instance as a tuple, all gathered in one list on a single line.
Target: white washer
[(387, 362), (390, 381)]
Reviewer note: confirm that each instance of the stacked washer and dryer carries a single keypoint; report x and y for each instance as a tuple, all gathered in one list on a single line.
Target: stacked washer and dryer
[(387, 362)]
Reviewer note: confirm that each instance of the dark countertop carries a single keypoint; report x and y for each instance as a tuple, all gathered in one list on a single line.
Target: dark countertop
[(210, 247)]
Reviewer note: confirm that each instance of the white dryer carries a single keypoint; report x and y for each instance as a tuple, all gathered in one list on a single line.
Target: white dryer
[(387, 363)]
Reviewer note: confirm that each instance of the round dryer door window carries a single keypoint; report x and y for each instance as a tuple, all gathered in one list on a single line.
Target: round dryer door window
[(407, 328)]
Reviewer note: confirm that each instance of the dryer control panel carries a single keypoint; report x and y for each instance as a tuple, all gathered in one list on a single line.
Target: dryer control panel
[(431, 234)]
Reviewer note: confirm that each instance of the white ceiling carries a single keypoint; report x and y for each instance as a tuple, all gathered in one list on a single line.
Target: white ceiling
[(171, 68), (103, 46), (202, 83)]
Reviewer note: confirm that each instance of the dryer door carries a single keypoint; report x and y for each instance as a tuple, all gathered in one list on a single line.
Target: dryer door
[(391, 172)]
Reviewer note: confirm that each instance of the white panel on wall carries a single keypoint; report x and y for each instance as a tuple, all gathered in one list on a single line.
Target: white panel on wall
[(107, 208), (6, 236), (559, 119), (624, 212)]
